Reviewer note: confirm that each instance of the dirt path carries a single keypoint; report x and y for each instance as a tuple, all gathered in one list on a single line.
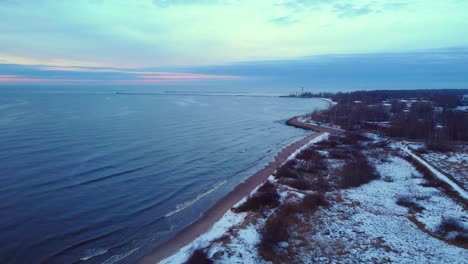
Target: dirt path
[(296, 123), (203, 224)]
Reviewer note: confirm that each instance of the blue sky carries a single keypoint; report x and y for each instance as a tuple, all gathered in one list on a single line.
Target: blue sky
[(356, 43)]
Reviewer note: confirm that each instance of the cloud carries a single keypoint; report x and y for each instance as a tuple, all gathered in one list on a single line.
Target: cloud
[(349, 10), (168, 3), (12, 73), (343, 9), (283, 20), (436, 68)]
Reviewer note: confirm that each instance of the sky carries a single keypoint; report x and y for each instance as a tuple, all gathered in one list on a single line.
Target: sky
[(359, 43)]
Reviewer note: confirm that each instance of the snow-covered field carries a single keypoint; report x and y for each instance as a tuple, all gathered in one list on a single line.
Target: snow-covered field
[(454, 163), (396, 218), (368, 226)]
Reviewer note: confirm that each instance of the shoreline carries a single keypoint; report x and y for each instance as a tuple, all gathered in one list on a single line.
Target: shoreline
[(324, 129), (216, 212)]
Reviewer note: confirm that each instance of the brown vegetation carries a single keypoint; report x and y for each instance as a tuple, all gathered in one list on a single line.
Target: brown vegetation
[(454, 230), (410, 204), (266, 197), (275, 234), (356, 172), (199, 257)]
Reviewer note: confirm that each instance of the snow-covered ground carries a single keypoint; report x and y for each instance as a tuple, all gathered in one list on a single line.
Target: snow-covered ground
[(396, 218), (454, 163), (370, 227), (440, 163)]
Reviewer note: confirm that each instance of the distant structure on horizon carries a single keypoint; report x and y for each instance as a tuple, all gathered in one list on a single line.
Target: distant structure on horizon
[(300, 92)]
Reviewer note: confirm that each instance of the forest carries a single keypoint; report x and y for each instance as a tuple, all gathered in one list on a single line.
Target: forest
[(439, 117)]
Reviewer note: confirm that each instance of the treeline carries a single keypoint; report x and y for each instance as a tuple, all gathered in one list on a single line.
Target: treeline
[(429, 115), (439, 97)]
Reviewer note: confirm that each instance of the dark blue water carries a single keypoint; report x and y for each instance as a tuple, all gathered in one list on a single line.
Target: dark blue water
[(99, 177)]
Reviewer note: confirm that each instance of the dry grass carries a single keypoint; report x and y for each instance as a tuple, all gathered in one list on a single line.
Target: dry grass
[(266, 197), (455, 231), (357, 172), (199, 257), (410, 204)]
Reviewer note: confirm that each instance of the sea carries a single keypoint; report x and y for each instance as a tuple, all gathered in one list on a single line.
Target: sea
[(103, 175)]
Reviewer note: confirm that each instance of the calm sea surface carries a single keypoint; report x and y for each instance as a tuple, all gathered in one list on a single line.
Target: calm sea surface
[(100, 177)]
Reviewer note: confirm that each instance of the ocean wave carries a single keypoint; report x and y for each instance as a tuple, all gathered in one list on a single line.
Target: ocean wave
[(119, 257), (188, 203), (94, 252), (19, 102)]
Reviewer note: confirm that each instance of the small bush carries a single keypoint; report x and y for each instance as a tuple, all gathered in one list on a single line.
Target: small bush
[(454, 230), (451, 225), (353, 138), (322, 184), (299, 184), (266, 197), (267, 187), (331, 142), (312, 161), (433, 182), (338, 153), (381, 144), (311, 202), (388, 178), (410, 204), (285, 172), (276, 230), (308, 154), (357, 172), (199, 257), (438, 145)]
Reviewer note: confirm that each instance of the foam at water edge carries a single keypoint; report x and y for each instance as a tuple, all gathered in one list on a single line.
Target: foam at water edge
[(188, 203)]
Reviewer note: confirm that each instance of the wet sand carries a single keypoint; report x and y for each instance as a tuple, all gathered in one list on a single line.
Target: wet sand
[(214, 214)]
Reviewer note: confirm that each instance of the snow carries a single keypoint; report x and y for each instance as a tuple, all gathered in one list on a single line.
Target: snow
[(370, 227), (361, 225), (438, 174), (372, 136), (462, 108), (323, 136), (454, 163), (329, 100), (219, 229)]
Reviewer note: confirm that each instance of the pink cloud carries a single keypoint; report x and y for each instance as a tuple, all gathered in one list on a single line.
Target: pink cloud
[(20, 79), (188, 76), (141, 77)]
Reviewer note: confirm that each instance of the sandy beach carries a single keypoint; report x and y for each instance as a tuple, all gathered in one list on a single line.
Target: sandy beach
[(215, 213)]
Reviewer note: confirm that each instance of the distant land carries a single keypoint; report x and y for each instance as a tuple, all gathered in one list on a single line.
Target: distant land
[(385, 179)]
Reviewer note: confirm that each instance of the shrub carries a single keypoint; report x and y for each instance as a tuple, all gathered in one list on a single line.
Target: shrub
[(332, 142), (267, 187), (199, 257), (285, 172), (338, 153), (454, 230), (308, 154), (276, 230), (299, 184), (410, 204), (433, 182), (313, 161), (266, 197), (311, 202), (353, 138), (357, 172)]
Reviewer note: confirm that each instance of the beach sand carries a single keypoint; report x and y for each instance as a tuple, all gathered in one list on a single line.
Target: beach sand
[(204, 224)]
